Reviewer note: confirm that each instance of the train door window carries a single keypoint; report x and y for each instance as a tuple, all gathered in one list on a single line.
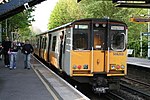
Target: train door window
[(43, 43), (118, 38), (45, 39), (64, 45), (54, 43), (40, 42), (99, 31), (37, 39), (80, 36), (49, 43), (40, 45)]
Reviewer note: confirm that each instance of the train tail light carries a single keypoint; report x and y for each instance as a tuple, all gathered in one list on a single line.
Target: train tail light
[(118, 67), (79, 67)]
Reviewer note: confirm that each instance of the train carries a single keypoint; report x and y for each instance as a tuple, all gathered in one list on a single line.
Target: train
[(90, 50)]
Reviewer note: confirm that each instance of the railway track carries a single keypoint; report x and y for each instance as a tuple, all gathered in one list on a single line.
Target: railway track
[(136, 87), (114, 96)]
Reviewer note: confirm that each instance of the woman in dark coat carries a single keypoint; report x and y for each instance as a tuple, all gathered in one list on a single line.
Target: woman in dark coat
[(6, 47)]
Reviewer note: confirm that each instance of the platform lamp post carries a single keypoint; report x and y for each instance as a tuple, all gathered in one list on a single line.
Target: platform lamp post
[(148, 37), (0, 32), (141, 43)]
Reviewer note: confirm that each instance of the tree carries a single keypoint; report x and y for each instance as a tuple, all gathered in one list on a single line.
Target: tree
[(65, 11), (20, 22)]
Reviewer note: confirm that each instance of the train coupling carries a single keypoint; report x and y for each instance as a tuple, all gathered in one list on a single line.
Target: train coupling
[(100, 89)]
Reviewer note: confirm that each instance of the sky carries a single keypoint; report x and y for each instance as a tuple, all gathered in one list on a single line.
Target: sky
[(42, 14)]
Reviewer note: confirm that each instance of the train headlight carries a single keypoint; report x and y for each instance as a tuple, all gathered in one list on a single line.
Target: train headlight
[(74, 66), (122, 66), (113, 67), (85, 66)]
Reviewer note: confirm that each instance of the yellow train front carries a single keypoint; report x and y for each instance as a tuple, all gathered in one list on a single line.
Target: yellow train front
[(88, 50)]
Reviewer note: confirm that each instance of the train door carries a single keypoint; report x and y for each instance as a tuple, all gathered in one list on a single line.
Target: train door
[(98, 53), (40, 46), (49, 45), (44, 47), (61, 49), (63, 52), (36, 50)]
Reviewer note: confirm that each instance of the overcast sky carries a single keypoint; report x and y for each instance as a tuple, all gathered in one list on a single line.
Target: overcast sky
[(42, 14)]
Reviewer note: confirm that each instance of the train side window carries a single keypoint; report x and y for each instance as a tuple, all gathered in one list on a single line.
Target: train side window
[(54, 43)]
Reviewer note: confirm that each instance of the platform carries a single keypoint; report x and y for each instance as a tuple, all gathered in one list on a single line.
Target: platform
[(21, 84), (138, 62)]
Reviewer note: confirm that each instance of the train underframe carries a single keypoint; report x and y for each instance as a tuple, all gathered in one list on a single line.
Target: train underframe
[(101, 83)]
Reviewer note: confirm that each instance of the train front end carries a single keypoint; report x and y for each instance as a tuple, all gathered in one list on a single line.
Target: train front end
[(99, 53)]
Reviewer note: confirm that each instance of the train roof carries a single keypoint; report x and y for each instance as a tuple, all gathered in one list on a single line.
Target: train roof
[(86, 19), (99, 19)]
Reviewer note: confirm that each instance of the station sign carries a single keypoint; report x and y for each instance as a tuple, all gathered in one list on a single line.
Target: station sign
[(129, 51), (146, 34), (139, 19)]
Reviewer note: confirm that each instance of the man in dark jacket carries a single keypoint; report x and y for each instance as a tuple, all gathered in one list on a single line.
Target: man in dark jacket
[(6, 46), (27, 49)]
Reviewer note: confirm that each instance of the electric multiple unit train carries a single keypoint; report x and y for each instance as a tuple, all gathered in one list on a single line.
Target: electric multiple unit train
[(90, 51)]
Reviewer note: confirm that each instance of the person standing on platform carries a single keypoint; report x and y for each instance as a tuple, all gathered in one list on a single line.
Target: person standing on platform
[(13, 56), (27, 49), (6, 46)]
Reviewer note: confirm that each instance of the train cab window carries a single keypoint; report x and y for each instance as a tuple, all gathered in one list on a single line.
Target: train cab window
[(118, 41), (117, 38), (54, 43), (80, 37)]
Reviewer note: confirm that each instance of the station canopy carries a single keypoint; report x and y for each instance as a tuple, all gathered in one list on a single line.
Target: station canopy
[(9, 8)]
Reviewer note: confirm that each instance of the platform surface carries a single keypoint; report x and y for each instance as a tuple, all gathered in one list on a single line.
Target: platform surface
[(143, 62), (21, 84)]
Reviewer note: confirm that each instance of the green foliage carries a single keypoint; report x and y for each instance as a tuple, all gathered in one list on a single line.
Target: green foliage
[(21, 20), (20, 23), (65, 11)]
